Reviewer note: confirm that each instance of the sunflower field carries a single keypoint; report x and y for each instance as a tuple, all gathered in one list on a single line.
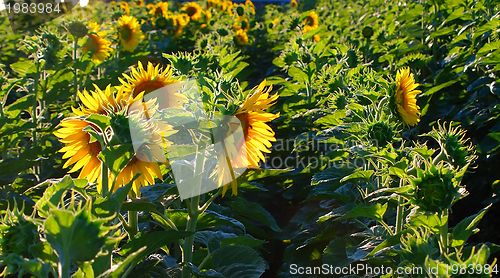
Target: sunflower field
[(306, 138)]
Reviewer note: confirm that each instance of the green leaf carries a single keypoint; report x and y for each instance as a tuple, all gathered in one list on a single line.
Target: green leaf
[(433, 222), (152, 241), (24, 67), (463, 230), (22, 104), (117, 157), (54, 193), (298, 75), (237, 261), (142, 204), (117, 271), (207, 220), (389, 242), (242, 240), (253, 211), (155, 191), (358, 175), (74, 237), (102, 121), (375, 211)]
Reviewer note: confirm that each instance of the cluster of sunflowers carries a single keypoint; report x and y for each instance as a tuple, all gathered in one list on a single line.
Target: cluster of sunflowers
[(84, 149)]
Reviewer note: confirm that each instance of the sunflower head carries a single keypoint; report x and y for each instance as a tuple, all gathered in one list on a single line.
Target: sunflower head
[(125, 7), (381, 132), (316, 38), (257, 133), (78, 29), (294, 3), (241, 24), (455, 148), (193, 10), (146, 80), (97, 44), (129, 32), (311, 22), (160, 9), (435, 189), (403, 99), (241, 38)]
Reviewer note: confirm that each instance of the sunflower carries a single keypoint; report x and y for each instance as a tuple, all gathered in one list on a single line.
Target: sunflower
[(97, 44), (294, 3), (212, 3), (316, 38), (241, 24), (129, 32), (149, 80), (139, 3), (241, 37), (403, 101), (181, 20), (125, 7), (257, 134), (311, 22), (193, 10), (160, 9), (250, 5)]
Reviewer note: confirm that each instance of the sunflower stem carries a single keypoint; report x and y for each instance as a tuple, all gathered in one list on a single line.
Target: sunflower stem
[(400, 211), (104, 180), (443, 234), (63, 267), (132, 223), (187, 249), (75, 43), (34, 115)]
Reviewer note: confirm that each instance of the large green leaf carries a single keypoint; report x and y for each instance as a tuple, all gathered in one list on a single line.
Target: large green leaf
[(463, 230), (117, 157), (237, 261), (253, 211), (152, 241)]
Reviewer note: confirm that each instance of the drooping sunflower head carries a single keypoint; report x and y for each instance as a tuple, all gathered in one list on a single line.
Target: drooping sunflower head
[(149, 79), (311, 22), (403, 100), (193, 10), (241, 38), (160, 9), (97, 44), (129, 32), (258, 135)]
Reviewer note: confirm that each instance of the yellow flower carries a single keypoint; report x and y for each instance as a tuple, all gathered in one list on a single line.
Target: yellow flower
[(257, 134), (241, 24), (316, 38), (193, 10), (276, 21), (139, 3), (148, 80), (129, 32), (83, 152), (311, 22), (125, 7), (241, 37), (404, 97), (97, 44), (112, 3), (160, 9), (294, 3), (212, 3), (250, 5)]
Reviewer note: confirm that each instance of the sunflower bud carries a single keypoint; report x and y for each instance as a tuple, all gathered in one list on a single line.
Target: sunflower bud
[(367, 32), (435, 189), (161, 23), (381, 132), (78, 29)]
